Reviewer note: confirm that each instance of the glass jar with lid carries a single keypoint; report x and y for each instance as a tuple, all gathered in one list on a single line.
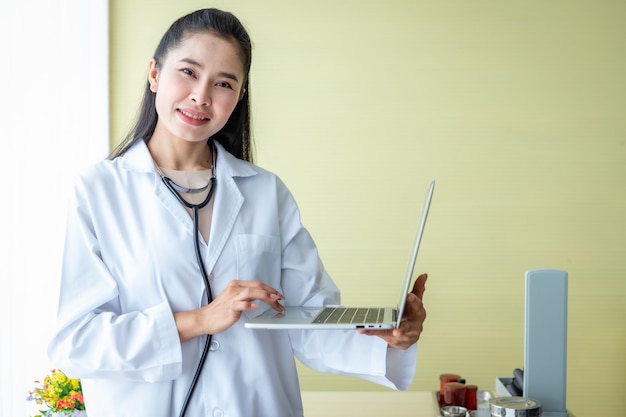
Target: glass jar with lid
[(515, 407)]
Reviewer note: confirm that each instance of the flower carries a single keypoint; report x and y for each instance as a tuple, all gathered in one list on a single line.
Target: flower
[(59, 393)]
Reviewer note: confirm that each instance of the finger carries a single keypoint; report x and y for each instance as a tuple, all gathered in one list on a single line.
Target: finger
[(257, 285), (388, 334), (410, 328), (419, 287), (244, 305), (381, 333), (406, 335), (253, 290), (250, 297), (412, 305), (394, 338), (415, 311)]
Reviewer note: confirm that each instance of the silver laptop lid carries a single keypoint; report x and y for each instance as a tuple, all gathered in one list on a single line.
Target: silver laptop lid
[(413, 257)]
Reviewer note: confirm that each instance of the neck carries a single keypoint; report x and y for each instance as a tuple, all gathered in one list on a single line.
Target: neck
[(181, 156)]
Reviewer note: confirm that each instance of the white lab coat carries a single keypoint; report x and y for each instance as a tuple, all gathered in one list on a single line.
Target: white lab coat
[(129, 263)]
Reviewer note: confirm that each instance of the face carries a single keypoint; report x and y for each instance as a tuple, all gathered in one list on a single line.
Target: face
[(197, 88)]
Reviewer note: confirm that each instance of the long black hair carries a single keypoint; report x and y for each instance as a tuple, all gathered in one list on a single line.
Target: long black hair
[(235, 136)]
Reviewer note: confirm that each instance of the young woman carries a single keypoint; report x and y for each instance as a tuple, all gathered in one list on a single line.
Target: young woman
[(177, 239)]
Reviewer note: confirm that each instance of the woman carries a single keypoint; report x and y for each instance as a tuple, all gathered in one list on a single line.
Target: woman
[(177, 239)]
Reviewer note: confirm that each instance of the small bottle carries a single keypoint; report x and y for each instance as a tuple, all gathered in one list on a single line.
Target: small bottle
[(443, 380), (482, 410), (454, 393), (471, 397)]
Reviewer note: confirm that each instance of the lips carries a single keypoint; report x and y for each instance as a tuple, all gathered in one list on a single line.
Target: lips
[(192, 117)]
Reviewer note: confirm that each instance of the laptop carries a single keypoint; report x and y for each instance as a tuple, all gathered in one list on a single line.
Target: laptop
[(342, 317)]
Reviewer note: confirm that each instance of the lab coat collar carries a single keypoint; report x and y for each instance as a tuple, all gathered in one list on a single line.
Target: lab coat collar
[(138, 158), (228, 201), (231, 166), (228, 197)]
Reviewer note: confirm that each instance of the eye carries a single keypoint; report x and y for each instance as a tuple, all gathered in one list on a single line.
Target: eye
[(224, 84), (187, 71)]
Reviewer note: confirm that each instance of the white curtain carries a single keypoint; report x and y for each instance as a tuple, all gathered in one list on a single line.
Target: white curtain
[(54, 121)]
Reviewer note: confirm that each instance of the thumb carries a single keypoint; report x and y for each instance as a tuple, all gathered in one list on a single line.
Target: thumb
[(420, 286)]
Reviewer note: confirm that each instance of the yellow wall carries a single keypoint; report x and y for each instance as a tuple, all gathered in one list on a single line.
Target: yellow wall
[(517, 109)]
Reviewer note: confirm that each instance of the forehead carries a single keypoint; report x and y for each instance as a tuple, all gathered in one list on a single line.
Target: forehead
[(208, 48)]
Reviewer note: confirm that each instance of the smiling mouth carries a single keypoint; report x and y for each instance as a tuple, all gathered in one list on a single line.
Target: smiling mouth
[(193, 116)]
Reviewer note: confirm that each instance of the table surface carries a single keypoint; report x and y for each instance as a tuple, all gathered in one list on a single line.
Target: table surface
[(365, 404)]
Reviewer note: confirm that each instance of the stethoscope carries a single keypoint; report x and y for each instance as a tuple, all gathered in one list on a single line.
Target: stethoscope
[(195, 208)]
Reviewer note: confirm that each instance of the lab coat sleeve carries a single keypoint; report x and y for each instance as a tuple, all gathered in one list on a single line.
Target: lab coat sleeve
[(94, 338), (352, 354), (306, 282)]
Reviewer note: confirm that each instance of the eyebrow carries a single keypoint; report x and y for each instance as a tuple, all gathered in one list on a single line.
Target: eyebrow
[(193, 62)]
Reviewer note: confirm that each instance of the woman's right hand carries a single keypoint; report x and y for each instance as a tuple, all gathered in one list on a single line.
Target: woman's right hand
[(226, 309)]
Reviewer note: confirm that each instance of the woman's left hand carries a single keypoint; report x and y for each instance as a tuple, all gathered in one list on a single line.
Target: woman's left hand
[(412, 322)]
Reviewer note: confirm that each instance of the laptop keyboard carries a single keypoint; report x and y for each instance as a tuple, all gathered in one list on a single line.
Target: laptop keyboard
[(343, 315)]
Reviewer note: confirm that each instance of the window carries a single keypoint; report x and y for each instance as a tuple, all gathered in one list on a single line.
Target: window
[(54, 118)]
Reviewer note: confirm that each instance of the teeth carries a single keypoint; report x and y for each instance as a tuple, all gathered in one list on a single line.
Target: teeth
[(193, 116)]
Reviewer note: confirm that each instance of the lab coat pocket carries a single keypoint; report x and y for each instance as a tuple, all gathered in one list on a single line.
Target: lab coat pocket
[(259, 259)]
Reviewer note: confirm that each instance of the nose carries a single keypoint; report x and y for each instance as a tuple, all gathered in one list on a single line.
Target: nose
[(201, 96)]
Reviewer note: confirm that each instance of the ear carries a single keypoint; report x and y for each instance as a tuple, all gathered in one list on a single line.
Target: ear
[(242, 93), (153, 75)]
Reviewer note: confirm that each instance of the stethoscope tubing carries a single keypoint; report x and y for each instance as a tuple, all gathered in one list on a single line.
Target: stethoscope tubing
[(195, 208)]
